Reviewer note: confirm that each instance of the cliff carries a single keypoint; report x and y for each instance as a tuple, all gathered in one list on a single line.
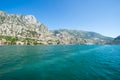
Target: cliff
[(25, 28)]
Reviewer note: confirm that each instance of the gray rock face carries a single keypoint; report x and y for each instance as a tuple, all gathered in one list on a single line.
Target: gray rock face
[(14, 25), (26, 27)]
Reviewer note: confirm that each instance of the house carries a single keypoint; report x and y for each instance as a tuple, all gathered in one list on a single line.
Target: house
[(20, 43), (3, 41)]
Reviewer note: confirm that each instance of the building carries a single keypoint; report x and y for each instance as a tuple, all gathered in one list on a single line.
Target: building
[(20, 43), (3, 41)]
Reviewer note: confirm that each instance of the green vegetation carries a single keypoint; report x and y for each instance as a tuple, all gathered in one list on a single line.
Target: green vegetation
[(10, 40), (25, 41)]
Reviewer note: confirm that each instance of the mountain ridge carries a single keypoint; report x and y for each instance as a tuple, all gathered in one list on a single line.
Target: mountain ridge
[(28, 30)]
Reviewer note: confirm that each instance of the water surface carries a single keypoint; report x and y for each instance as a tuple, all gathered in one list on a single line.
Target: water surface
[(60, 62)]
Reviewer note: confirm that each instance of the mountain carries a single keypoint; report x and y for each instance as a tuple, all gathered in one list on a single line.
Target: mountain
[(81, 37), (116, 40), (25, 29)]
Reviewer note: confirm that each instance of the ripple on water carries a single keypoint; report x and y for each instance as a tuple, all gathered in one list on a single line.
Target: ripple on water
[(60, 62)]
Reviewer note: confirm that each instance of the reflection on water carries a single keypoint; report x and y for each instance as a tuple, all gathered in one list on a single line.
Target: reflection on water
[(60, 62)]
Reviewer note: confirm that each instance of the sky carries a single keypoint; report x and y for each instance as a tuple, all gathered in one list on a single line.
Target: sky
[(101, 16)]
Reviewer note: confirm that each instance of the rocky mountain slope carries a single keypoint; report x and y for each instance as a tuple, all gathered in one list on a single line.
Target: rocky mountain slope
[(81, 37), (25, 29)]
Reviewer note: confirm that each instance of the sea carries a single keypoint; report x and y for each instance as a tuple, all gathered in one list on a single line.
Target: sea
[(60, 62)]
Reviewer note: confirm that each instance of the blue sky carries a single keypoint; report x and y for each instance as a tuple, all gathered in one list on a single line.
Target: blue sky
[(102, 16)]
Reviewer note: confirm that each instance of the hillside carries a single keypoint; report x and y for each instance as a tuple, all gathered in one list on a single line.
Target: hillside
[(81, 37)]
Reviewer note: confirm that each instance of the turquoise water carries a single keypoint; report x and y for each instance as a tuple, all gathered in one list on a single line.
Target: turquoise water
[(60, 62)]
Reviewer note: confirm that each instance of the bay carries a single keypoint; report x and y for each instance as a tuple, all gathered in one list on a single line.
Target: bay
[(60, 62)]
